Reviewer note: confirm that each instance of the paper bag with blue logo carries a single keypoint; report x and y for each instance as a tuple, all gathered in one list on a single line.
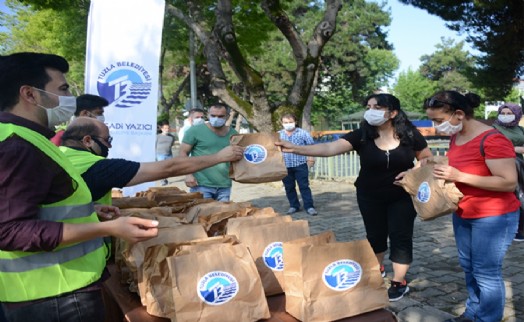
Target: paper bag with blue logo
[(328, 281), (262, 161), (432, 197), (265, 244), (218, 283)]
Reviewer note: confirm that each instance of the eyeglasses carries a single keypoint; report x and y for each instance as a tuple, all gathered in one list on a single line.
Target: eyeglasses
[(433, 102), (108, 140)]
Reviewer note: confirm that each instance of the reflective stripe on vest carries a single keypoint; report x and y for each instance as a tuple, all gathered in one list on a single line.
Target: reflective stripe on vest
[(62, 213), (26, 276), (45, 259)]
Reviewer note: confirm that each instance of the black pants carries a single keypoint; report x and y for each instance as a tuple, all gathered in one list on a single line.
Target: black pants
[(389, 215), (73, 307)]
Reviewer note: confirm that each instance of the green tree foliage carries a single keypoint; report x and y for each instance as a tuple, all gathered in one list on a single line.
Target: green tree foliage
[(496, 29), (412, 88), (450, 66)]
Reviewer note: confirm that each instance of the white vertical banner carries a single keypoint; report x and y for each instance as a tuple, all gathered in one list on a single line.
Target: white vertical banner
[(122, 65)]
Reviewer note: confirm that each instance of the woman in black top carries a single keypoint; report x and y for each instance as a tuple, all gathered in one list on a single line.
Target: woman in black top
[(387, 143)]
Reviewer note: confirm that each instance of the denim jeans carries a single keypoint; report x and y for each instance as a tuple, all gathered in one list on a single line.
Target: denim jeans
[(482, 244), (299, 174), (74, 307), (219, 194)]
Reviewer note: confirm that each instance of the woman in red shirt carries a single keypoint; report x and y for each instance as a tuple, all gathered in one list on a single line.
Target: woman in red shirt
[(487, 216)]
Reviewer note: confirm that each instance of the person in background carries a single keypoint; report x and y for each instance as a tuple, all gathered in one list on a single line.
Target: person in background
[(87, 141), (195, 117), (52, 253), (164, 145), (205, 139), (387, 143), (297, 166), (507, 122), (487, 216), (86, 105)]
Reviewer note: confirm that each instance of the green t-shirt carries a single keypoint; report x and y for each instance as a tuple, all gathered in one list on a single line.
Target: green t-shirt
[(206, 142)]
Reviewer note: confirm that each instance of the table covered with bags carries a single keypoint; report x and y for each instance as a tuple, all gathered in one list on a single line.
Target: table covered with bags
[(215, 261)]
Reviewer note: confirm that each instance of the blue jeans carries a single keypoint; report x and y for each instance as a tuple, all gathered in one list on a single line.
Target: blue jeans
[(482, 244), (219, 194), (299, 174), (162, 157), (74, 307)]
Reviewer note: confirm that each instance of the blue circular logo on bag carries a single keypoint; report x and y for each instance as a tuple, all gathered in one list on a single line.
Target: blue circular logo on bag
[(424, 192), (124, 84), (342, 275), (273, 257), (255, 153), (217, 287)]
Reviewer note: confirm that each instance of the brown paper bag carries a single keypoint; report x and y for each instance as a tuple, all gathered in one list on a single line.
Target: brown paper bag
[(265, 244), (262, 162), (432, 197), (155, 286), (330, 281), (217, 284), (235, 225)]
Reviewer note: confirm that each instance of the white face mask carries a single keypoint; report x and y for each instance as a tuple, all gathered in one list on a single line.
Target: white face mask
[(289, 126), (198, 121), (506, 118), (375, 117), (448, 128), (101, 118), (61, 113), (217, 121)]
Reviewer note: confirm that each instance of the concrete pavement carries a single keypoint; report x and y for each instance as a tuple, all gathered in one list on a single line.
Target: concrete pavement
[(435, 278)]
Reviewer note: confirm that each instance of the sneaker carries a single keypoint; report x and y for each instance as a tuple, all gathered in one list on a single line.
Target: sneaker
[(460, 318), (312, 212), (397, 290), (382, 271), (291, 210), (518, 237)]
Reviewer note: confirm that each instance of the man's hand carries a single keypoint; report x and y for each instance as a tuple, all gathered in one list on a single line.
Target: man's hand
[(286, 146), (106, 212), (310, 162), (190, 181), (231, 153), (133, 229)]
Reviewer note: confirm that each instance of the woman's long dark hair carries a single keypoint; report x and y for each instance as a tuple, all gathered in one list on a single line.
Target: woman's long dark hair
[(401, 124)]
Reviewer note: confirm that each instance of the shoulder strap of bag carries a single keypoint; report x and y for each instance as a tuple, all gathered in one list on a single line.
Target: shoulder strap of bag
[(490, 132)]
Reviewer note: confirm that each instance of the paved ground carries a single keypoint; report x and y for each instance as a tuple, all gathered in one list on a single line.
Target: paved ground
[(435, 278)]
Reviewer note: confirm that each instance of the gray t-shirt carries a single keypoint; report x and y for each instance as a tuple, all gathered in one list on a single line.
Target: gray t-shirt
[(164, 144)]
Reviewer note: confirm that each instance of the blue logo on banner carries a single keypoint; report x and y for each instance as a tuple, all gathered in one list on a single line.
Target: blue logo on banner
[(342, 275), (273, 257), (424, 192), (217, 287), (255, 153), (124, 84)]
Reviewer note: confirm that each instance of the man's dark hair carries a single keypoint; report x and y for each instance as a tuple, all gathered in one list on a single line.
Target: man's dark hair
[(195, 110), (219, 106), (88, 102), (75, 132), (19, 69)]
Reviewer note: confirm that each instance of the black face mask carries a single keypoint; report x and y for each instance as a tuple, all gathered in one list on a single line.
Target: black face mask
[(104, 149)]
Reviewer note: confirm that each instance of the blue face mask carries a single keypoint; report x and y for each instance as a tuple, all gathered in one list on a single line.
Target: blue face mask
[(217, 121)]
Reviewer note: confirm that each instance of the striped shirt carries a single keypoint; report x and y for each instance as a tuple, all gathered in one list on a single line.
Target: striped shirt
[(297, 137)]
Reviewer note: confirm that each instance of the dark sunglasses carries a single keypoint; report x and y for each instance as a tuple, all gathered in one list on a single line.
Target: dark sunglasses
[(108, 140), (433, 102)]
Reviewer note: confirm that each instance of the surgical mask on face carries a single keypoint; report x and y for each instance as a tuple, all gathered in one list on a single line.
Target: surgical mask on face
[(289, 126), (198, 121), (375, 117), (101, 118), (104, 150), (217, 121), (61, 113), (506, 118), (448, 128)]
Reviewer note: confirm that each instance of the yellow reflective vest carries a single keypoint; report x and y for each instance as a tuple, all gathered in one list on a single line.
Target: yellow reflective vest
[(82, 161), (28, 276)]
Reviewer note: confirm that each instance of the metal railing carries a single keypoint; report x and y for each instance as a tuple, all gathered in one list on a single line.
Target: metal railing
[(346, 166)]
